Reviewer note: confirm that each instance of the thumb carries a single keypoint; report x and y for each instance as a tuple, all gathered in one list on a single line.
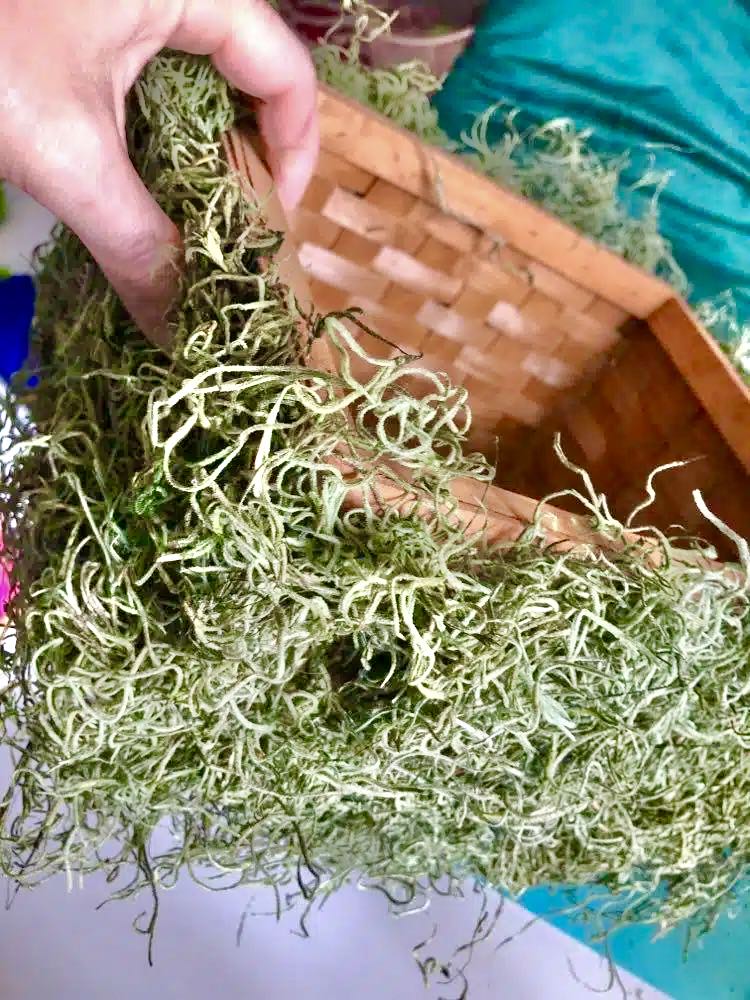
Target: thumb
[(103, 200)]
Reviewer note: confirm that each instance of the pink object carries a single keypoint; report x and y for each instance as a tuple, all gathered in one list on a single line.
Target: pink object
[(5, 586)]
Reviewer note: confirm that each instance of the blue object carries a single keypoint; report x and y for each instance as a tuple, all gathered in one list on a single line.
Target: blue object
[(639, 72), (17, 297)]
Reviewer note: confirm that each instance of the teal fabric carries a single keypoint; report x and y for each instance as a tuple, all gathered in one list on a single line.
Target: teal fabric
[(638, 72), (714, 968)]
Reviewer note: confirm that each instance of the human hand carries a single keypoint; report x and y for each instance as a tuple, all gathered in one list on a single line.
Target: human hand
[(65, 71)]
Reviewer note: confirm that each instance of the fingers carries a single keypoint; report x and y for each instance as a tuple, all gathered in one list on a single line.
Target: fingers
[(253, 48), (101, 198), (81, 170)]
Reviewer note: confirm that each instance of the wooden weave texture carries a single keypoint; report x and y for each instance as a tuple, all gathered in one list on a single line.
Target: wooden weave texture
[(537, 351)]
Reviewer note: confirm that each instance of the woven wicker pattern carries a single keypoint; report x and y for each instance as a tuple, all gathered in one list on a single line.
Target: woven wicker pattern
[(545, 330), (517, 334)]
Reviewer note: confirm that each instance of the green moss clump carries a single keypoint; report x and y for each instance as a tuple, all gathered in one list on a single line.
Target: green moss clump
[(208, 635)]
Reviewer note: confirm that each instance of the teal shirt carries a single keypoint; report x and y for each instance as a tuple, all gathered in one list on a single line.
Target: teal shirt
[(638, 72)]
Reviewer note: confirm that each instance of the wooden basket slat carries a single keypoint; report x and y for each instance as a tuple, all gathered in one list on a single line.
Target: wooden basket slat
[(718, 386)]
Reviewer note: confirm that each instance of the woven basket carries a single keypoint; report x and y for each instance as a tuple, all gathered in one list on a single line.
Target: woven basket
[(547, 330)]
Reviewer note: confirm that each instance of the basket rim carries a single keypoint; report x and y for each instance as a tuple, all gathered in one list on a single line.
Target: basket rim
[(461, 191)]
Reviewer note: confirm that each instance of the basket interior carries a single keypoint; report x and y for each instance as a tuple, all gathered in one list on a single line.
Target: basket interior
[(538, 351)]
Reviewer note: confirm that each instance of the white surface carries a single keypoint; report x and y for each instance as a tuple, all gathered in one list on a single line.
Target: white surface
[(26, 226), (54, 944)]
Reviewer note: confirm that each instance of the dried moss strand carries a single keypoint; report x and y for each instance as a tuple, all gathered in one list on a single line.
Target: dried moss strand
[(208, 638)]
